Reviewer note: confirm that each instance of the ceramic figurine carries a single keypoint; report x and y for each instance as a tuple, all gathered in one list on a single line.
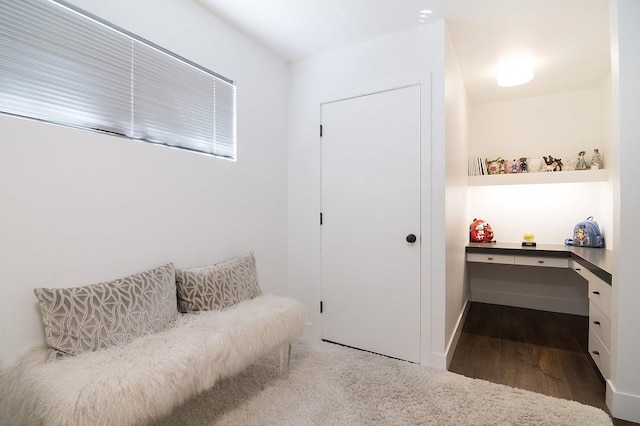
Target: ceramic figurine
[(514, 166), (534, 164), (596, 160), (571, 166), (523, 164), (496, 166), (552, 164), (581, 164)]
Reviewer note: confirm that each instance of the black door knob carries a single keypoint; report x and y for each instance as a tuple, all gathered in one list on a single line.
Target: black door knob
[(411, 238)]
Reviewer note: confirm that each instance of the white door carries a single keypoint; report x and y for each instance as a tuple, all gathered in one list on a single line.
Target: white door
[(370, 208)]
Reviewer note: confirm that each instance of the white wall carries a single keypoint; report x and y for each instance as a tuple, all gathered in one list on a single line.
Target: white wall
[(560, 125), (623, 390), (81, 207), (606, 190), (550, 211), (412, 57), (456, 203)]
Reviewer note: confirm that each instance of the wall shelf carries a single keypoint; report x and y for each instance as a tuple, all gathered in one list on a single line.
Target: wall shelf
[(578, 176)]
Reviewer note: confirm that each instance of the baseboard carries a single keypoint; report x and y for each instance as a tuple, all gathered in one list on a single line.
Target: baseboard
[(453, 343), (623, 405), (564, 306), (442, 360)]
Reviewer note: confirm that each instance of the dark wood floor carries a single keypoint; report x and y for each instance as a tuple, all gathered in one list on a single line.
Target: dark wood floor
[(543, 352)]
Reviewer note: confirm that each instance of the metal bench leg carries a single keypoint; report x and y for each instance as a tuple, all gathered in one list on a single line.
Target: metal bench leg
[(282, 358)]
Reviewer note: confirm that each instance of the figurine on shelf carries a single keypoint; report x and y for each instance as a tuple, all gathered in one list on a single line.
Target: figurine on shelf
[(514, 166), (596, 160), (552, 164), (496, 166), (523, 164), (548, 167), (581, 164)]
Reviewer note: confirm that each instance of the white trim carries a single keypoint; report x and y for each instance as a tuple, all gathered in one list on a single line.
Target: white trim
[(453, 343), (564, 306), (442, 360), (623, 405)]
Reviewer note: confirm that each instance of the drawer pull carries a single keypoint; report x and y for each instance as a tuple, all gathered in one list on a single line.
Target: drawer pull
[(540, 261), (578, 269), (596, 322), (595, 353), (489, 258), (596, 292)]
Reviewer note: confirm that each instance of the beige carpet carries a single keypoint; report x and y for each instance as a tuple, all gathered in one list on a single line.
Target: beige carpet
[(331, 385)]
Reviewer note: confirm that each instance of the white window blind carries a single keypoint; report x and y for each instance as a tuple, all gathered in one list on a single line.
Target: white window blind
[(62, 65)]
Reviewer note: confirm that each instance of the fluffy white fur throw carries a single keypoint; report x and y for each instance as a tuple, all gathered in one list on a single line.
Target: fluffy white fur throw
[(146, 378)]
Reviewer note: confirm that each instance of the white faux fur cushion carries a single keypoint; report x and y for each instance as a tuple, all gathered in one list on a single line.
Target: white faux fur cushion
[(147, 377)]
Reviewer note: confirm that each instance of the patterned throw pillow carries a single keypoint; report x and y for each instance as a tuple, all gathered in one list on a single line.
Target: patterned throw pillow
[(97, 316), (218, 286)]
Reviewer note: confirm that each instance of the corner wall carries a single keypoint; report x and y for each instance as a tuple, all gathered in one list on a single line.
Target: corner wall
[(623, 389), (81, 207), (455, 203)]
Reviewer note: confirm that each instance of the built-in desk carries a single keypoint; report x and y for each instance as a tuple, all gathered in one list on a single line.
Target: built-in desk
[(598, 261), (594, 265)]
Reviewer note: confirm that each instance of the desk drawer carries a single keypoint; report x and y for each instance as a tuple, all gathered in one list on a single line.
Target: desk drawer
[(583, 271), (600, 354), (600, 324), (549, 262), (600, 295), (490, 258)]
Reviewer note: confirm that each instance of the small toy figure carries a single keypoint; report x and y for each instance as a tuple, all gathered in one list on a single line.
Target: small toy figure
[(514, 166), (581, 164), (596, 160), (528, 240), (523, 164)]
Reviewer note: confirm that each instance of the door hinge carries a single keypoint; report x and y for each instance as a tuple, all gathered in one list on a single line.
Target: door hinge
[(321, 130), (321, 306), (320, 218)]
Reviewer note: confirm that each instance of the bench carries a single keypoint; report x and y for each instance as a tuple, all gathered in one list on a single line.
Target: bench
[(150, 375)]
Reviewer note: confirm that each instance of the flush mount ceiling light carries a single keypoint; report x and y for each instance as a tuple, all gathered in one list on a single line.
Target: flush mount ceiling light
[(515, 71)]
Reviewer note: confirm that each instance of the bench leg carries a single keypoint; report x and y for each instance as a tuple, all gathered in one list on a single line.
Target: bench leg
[(283, 356)]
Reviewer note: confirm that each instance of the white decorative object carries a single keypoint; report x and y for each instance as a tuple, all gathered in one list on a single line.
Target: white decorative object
[(581, 163), (535, 164), (596, 160)]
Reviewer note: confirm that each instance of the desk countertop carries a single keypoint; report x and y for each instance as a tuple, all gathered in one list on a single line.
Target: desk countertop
[(597, 260)]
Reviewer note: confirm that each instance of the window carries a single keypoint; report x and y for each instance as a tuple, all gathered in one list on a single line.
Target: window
[(62, 65)]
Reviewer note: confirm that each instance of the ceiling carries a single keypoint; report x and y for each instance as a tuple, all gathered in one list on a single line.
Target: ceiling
[(568, 39)]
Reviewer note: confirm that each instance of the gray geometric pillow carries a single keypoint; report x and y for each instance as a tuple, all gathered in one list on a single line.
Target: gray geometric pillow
[(218, 286), (98, 316)]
